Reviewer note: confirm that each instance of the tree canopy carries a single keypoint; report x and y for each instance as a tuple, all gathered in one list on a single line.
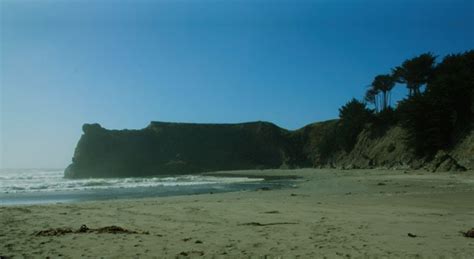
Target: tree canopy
[(415, 72), (439, 108)]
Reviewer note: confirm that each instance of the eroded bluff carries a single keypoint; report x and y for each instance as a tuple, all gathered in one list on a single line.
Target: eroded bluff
[(186, 148), (179, 148)]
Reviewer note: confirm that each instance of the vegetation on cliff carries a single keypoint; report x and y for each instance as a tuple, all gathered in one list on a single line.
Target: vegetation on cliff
[(438, 111)]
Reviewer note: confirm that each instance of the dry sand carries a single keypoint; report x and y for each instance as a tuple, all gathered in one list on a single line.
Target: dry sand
[(333, 213)]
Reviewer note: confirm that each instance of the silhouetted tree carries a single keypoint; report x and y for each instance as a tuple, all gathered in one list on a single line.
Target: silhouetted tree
[(415, 72), (384, 84), (438, 117), (453, 84), (371, 96), (354, 115)]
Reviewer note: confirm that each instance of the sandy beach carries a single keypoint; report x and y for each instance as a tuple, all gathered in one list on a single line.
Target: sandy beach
[(332, 213)]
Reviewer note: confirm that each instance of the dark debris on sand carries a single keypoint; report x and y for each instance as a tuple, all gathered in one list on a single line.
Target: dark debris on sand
[(469, 233), (54, 232), (190, 254), (85, 229), (258, 224), (272, 212)]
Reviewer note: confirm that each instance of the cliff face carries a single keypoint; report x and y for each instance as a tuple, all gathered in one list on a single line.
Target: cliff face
[(385, 149), (463, 152), (178, 148), (186, 148)]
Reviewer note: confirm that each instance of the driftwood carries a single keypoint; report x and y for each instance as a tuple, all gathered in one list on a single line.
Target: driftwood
[(258, 224), (85, 229), (54, 232)]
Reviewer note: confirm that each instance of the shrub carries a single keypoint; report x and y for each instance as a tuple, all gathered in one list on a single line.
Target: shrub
[(354, 115)]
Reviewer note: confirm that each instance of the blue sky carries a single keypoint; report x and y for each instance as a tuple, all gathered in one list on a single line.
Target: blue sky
[(125, 63)]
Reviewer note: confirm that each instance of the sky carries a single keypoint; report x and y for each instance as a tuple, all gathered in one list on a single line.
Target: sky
[(125, 63)]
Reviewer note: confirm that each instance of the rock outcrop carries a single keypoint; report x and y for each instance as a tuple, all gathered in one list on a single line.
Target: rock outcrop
[(385, 151), (177, 148), (186, 148), (463, 151), (443, 161)]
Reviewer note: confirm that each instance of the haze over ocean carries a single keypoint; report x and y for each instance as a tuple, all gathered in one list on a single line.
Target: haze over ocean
[(122, 64)]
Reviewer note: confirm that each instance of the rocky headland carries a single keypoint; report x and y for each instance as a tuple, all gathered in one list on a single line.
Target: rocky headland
[(164, 148)]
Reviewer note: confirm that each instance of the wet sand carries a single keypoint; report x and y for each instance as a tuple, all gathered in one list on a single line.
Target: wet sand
[(333, 213)]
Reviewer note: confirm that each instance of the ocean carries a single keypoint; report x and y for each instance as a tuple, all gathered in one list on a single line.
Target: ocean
[(45, 186)]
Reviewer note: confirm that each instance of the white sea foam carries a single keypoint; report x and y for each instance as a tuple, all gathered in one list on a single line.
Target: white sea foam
[(36, 180)]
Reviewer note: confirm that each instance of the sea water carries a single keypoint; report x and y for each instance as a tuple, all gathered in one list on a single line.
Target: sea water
[(37, 186)]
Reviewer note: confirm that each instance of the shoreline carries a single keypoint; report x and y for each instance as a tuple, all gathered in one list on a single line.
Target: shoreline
[(205, 184), (266, 174), (334, 213)]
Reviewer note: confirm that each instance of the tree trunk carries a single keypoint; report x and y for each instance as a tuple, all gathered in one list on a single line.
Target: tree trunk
[(384, 104)]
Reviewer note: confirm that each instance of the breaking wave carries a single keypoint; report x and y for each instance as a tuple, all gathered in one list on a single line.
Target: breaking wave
[(36, 180)]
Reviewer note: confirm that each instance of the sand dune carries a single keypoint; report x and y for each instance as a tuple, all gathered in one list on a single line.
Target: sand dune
[(331, 213)]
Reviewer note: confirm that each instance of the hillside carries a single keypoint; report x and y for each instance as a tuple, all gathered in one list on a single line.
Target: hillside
[(374, 149), (184, 148)]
